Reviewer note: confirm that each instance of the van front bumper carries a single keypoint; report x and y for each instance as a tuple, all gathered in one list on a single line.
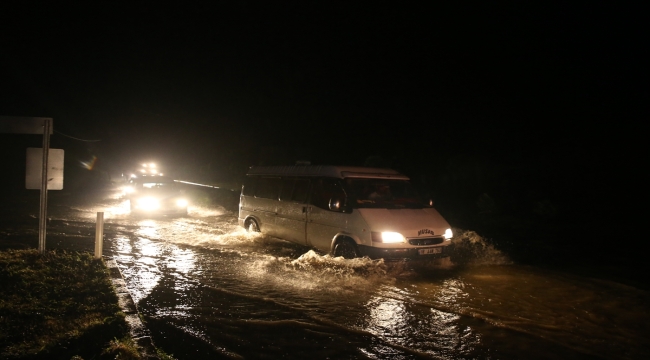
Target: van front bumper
[(401, 253)]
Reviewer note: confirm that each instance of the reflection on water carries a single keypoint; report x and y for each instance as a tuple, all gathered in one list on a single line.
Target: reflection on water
[(148, 229), (148, 259), (137, 257), (387, 317), (182, 261), (408, 317)]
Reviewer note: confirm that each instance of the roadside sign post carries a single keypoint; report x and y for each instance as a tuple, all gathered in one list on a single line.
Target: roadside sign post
[(37, 125), (42, 224)]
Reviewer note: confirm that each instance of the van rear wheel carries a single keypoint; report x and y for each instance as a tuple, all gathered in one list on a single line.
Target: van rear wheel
[(346, 249), (252, 226)]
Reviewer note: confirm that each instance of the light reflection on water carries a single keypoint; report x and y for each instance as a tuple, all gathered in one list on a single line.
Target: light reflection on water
[(138, 264), (149, 259), (387, 318), (409, 317), (148, 229), (182, 261)]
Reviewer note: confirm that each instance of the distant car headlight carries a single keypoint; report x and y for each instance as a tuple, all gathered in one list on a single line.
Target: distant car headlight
[(448, 234), (181, 203), (148, 203), (387, 237)]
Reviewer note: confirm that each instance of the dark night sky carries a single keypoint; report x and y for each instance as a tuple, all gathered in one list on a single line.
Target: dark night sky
[(333, 83)]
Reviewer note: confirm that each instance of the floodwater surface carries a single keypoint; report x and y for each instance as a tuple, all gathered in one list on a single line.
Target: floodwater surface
[(208, 289)]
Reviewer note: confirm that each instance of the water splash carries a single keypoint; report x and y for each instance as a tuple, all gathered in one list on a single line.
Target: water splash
[(312, 271), (470, 248), (338, 266), (238, 237)]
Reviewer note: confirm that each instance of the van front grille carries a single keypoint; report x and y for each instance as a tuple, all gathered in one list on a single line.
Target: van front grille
[(426, 241)]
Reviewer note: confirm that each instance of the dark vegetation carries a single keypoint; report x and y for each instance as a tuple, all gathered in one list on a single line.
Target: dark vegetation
[(59, 305)]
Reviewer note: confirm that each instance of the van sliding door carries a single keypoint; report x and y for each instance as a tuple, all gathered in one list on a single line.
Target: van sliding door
[(322, 223), (291, 215)]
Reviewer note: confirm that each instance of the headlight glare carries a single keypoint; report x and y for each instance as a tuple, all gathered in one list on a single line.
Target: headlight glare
[(448, 234), (387, 237), (148, 203)]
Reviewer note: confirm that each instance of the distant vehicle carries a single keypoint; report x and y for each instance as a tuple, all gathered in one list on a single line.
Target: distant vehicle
[(344, 211), (144, 169), (156, 195)]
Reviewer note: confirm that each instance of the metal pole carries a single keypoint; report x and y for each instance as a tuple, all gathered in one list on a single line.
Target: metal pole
[(42, 224), (99, 236)]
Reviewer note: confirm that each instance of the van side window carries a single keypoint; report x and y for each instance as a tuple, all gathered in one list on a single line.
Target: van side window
[(300, 191), (286, 189), (294, 190), (248, 188), (268, 188), (324, 190)]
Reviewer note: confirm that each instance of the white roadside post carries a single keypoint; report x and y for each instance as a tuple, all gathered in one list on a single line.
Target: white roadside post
[(99, 235)]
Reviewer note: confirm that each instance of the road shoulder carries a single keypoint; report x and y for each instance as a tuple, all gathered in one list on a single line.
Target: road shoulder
[(139, 332)]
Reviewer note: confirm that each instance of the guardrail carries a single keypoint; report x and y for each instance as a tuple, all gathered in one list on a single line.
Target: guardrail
[(204, 185)]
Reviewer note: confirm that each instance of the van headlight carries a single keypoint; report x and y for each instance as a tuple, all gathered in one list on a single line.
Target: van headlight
[(448, 234), (181, 203), (387, 237)]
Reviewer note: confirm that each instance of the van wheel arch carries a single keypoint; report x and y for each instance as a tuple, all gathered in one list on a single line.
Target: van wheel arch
[(251, 225), (346, 247)]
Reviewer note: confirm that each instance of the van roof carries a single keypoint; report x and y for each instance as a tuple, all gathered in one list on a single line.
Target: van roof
[(340, 172)]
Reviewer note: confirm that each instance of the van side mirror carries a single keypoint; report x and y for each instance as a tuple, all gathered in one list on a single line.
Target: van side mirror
[(335, 204)]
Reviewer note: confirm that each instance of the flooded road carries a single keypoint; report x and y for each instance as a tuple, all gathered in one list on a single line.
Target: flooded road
[(207, 289)]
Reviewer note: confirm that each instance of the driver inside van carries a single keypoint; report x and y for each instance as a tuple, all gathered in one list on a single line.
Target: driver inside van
[(382, 192)]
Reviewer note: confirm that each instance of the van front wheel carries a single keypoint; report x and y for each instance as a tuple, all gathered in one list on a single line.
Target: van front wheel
[(345, 249), (252, 226)]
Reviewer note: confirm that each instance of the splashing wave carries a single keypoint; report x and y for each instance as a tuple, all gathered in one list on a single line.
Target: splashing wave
[(471, 248)]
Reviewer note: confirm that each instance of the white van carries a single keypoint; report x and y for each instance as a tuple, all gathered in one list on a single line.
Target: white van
[(343, 211)]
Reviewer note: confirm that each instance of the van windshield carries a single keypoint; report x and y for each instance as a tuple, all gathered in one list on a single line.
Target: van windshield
[(382, 193), (154, 184)]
